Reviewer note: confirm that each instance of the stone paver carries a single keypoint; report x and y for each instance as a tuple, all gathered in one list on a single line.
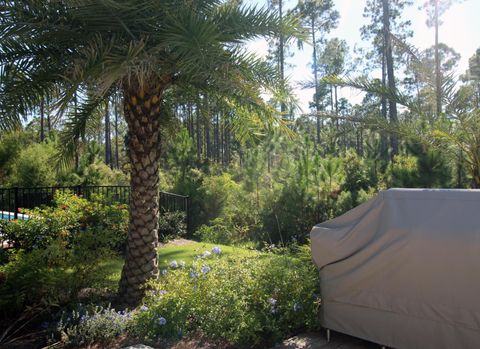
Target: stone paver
[(319, 341)]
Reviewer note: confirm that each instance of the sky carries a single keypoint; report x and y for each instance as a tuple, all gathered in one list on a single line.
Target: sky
[(460, 30)]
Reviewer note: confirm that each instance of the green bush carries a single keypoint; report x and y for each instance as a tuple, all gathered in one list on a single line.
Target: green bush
[(254, 300), (69, 219), (32, 167), (58, 250), (172, 225), (83, 327)]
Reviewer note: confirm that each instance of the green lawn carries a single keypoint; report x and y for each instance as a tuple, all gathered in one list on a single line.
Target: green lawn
[(187, 253), (111, 268)]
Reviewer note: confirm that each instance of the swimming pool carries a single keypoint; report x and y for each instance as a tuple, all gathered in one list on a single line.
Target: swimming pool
[(5, 215)]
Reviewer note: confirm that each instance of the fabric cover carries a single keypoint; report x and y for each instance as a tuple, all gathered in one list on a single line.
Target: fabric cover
[(403, 269)]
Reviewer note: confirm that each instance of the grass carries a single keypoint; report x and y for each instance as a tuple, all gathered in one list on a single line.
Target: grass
[(111, 268), (187, 253)]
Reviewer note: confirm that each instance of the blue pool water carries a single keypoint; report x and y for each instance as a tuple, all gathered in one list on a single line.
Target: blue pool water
[(10, 216)]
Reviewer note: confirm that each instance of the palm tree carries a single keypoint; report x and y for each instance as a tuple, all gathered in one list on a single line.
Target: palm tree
[(144, 48)]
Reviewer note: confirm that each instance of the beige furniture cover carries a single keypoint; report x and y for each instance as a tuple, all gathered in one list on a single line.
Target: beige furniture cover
[(403, 269)]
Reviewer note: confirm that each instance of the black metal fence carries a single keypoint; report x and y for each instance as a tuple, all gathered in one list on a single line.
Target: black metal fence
[(14, 199)]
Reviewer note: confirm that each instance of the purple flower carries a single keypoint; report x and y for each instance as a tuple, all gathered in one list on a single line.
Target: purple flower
[(162, 321), (216, 250), (206, 269), (44, 325), (193, 274), (173, 264)]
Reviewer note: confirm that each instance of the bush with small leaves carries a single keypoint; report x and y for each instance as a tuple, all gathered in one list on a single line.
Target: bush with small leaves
[(255, 300)]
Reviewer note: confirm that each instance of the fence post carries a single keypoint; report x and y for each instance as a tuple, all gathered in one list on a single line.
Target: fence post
[(15, 203)]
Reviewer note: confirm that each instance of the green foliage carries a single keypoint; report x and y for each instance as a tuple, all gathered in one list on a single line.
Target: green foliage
[(11, 144), (172, 225), (402, 173), (32, 167), (84, 327), (71, 218), (60, 250), (250, 301)]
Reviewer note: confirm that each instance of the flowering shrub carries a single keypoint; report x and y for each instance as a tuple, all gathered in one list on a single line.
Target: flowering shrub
[(57, 251), (71, 217), (83, 327), (255, 300)]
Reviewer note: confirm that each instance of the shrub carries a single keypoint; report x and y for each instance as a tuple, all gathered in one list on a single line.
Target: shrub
[(32, 166), (71, 218), (83, 327), (254, 300), (59, 250), (172, 225)]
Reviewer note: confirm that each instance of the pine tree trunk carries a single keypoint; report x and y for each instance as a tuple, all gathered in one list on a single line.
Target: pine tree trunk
[(438, 78), (108, 139), (199, 136), (116, 134), (315, 75), (383, 135), (42, 118), (392, 105), (142, 114)]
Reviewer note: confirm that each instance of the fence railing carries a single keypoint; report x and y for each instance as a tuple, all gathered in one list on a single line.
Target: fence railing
[(13, 199)]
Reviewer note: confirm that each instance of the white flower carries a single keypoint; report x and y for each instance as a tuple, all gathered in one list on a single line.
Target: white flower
[(206, 254), (173, 264)]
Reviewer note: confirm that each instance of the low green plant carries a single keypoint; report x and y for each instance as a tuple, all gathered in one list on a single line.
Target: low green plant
[(256, 300), (82, 327)]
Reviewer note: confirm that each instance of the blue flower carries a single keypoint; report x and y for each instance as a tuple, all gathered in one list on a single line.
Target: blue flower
[(162, 321), (84, 318), (216, 250), (143, 308), (174, 264), (193, 274), (297, 307), (206, 269)]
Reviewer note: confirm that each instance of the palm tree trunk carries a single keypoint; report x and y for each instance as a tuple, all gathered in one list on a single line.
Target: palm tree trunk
[(142, 114)]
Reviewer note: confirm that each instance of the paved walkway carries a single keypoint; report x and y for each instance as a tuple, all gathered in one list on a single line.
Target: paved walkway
[(319, 341)]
